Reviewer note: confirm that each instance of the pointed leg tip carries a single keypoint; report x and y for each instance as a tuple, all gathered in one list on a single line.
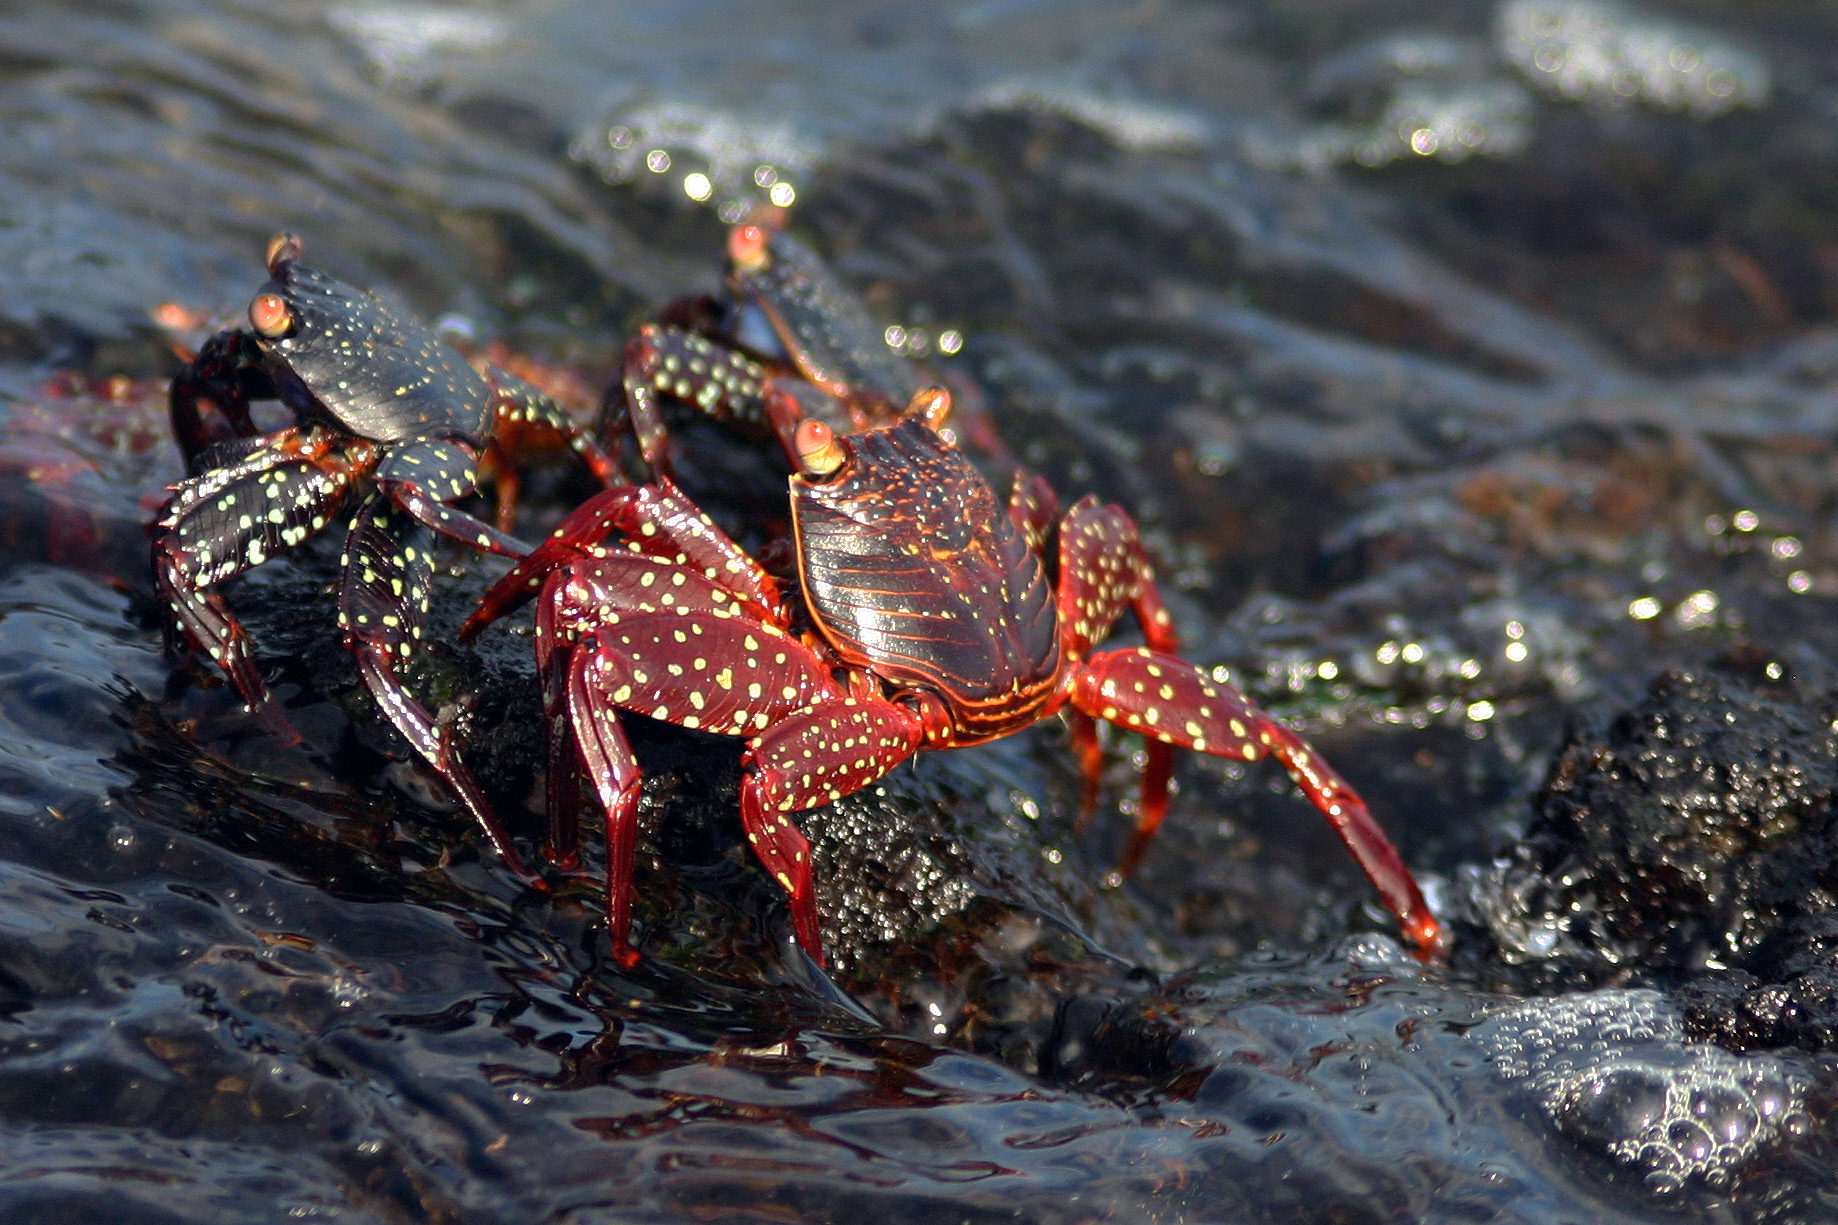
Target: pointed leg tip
[(284, 733), (814, 949), (1431, 941), (1132, 857)]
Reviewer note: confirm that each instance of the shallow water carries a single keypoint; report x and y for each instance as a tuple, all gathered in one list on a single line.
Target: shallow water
[(1465, 374)]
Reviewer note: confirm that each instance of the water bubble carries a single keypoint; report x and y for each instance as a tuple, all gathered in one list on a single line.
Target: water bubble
[(1614, 1073), (1625, 1102)]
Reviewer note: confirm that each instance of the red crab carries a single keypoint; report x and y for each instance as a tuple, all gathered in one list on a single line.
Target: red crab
[(931, 618)]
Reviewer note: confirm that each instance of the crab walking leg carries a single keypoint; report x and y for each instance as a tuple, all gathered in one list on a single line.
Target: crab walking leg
[(1166, 698), (656, 521), (516, 402), (1033, 507), (230, 521), (811, 758), (447, 470), (605, 754), (728, 675), (1089, 754), (208, 622), (555, 648), (382, 607), (1104, 570), (664, 361)]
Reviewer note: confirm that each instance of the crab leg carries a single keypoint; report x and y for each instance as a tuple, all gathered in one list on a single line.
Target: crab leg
[(725, 384), (232, 520), (1170, 700), (1033, 507), (656, 521), (382, 609), (555, 647), (607, 757), (516, 402), (1102, 571), (733, 676), (810, 758), (447, 470)]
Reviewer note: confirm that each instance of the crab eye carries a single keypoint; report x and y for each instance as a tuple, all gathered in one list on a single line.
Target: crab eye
[(747, 248), (819, 454), (931, 406), (269, 315)]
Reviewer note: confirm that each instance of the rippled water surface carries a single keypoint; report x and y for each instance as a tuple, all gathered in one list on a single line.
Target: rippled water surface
[(1466, 369)]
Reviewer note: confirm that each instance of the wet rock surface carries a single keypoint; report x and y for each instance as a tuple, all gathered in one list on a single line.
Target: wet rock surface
[(1690, 843), (1472, 380)]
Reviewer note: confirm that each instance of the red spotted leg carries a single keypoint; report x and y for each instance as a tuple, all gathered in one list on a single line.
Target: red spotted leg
[(1166, 698), (664, 361), (555, 645), (422, 477), (655, 520), (726, 674), (686, 595), (518, 404), (813, 757), (382, 609), (1102, 571)]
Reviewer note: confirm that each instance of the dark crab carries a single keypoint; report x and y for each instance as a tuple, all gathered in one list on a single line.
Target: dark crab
[(786, 323), (387, 417), (931, 618)]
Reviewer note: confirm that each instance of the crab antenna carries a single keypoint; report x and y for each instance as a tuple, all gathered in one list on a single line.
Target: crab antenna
[(282, 249)]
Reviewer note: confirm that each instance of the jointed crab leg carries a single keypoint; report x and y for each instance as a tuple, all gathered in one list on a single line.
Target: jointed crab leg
[(1104, 570), (516, 402), (730, 675), (656, 521), (1172, 702), (446, 470), (232, 520), (725, 384), (811, 757), (382, 608)]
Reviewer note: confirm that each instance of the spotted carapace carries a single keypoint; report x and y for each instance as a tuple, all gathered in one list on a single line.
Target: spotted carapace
[(389, 421), (929, 620)]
